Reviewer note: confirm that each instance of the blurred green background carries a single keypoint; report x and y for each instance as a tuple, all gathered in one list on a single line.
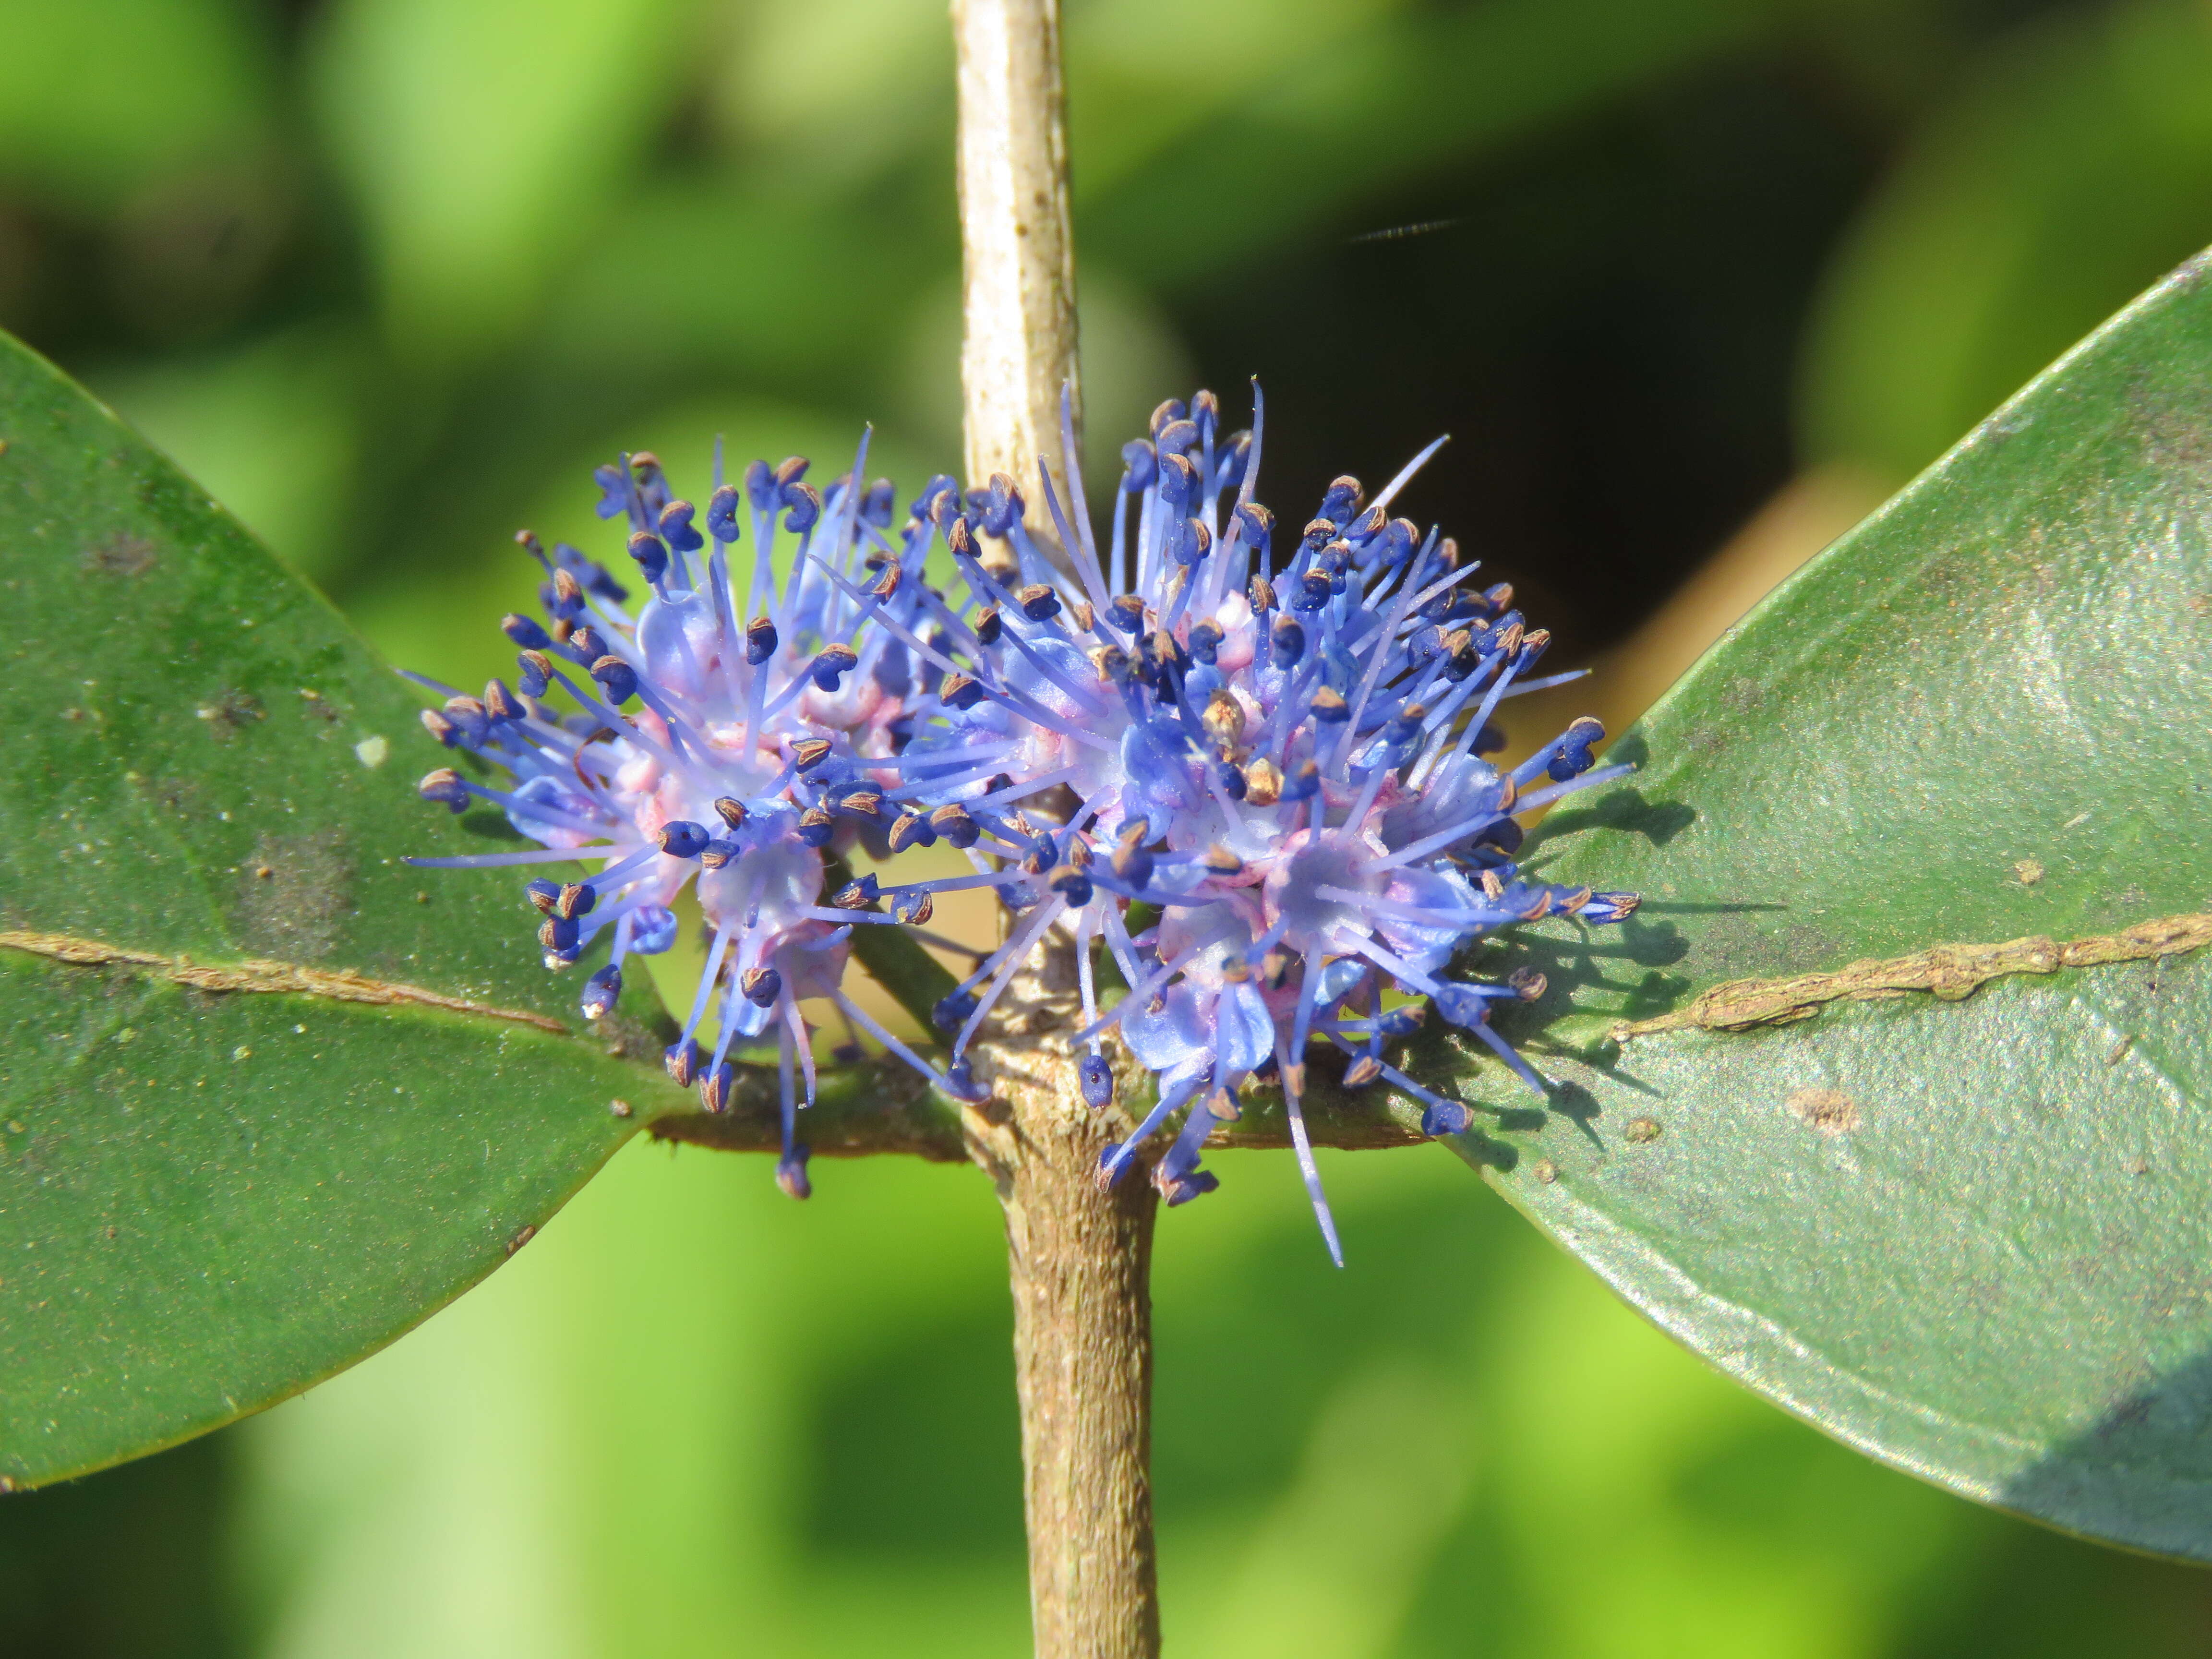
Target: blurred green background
[(1692, 282)]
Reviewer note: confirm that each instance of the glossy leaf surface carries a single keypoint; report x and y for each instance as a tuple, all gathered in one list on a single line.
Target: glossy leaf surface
[(1970, 1233), (209, 1198)]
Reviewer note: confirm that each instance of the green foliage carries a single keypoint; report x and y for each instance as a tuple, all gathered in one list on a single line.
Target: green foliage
[(355, 292), (210, 1199), (1969, 1237)]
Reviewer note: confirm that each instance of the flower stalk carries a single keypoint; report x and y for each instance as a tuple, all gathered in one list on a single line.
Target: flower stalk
[(1079, 1256)]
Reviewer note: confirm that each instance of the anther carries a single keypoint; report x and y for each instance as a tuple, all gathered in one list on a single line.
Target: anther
[(912, 829), (810, 753), (866, 804), (681, 839), (619, 678), (1328, 707), (760, 641), (832, 663), (1097, 1079), (1220, 861), (761, 986), (716, 1089), (1223, 719), (732, 812), (722, 514), (443, 786), (955, 825), (1038, 602), (601, 992), (1263, 783), (567, 596), (651, 553)]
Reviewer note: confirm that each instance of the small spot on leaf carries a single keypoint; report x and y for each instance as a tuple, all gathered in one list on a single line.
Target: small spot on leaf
[(1641, 1131), (1827, 1111), (293, 911), (230, 712), (121, 555), (1546, 1171), (2027, 872)]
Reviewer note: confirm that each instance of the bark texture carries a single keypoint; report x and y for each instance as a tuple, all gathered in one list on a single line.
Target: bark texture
[(1080, 1258), (1080, 1262), (1018, 258)]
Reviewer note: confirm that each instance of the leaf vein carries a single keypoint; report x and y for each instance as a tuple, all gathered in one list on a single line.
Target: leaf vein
[(1950, 972), (257, 975)]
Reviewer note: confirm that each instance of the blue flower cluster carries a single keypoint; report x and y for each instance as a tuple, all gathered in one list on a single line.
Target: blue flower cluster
[(1274, 742)]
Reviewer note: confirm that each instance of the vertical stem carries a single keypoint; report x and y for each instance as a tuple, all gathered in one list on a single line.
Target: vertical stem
[(1081, 1266), (1017, 258), (1080, 1258)]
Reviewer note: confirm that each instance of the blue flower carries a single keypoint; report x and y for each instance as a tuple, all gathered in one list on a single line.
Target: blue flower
[(709, 730), (1278, 743)]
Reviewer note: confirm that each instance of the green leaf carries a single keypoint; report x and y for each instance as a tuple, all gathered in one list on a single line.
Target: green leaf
[(211, 1197), (1971, 1236)]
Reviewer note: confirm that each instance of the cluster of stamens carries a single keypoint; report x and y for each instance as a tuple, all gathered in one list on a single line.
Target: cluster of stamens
[(1277, 748)]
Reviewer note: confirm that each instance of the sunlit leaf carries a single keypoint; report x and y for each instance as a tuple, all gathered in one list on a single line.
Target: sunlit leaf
[(267, 1095), (1973, 1237)]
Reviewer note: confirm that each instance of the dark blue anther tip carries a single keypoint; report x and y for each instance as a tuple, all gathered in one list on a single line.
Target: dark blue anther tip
[(523, 632), (681, 1061), (879, 504), (791, 1172), (1097, 1082), (651, 553), (677, 529), (1446, 1117), (617, 678), (722, 514), (602, 991), (614, 489), (805, 505), (682, 839)]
